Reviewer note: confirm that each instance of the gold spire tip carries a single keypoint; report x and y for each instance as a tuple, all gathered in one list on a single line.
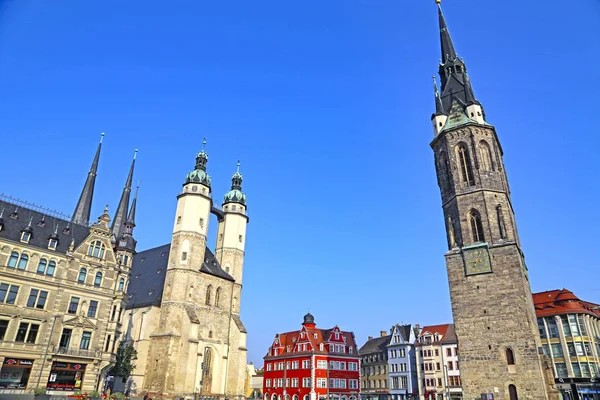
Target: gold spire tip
[(438, 1)]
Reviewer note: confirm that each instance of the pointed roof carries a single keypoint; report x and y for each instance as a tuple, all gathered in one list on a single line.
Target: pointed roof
[(82, 212), (118, 225), (452, 71), (439, 107), (448, 51), (131, 217)]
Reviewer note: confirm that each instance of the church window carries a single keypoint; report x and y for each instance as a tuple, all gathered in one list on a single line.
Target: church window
[(476, 226), (510, 357), (512, 392), (240, 238), (217, 296), (96, 249), (23, 262), (183, 255), (464, 163), (82, 275), (208, 295), (12, 261), (486, 156), (98, 279)]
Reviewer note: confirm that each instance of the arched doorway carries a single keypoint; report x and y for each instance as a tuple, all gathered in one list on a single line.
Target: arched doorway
[(512, 392), (207, 368)]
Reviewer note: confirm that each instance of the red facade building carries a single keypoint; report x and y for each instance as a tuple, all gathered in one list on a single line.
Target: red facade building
[(312, 364)]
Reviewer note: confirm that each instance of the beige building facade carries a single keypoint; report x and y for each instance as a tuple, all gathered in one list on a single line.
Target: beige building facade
[(62, 293), (184, 310)]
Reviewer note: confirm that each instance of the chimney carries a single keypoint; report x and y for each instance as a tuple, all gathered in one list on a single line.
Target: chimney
[(383, 333), (418, 326), (370, 338)]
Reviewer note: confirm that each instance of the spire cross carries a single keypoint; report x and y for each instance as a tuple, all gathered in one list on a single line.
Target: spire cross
[(238, 166)]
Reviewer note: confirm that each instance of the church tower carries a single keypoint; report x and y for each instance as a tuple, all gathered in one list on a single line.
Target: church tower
[(491, 298), (231, 240), (172, 351)]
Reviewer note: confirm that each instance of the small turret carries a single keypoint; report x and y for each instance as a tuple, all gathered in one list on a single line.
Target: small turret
[(235, 195), (440, 117), (199, 175)]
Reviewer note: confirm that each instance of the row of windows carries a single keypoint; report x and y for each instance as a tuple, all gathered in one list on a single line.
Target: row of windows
[(374, 370), (26, 237), (401, 367), (28, 333), (574, 349), (452, 365), (463, 160), (45, 267), (375, 384), (373, 358), (321, 383), (400, 382), (580, 370), (432, 382), (398, 353), (572, 325)]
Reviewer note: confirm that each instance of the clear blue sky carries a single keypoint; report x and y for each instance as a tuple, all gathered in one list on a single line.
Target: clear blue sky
[(328, 105)]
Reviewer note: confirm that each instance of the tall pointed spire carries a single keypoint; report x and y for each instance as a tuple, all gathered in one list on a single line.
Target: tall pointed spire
[(82, 212), (118, 225), (448, 52), (452, 70)]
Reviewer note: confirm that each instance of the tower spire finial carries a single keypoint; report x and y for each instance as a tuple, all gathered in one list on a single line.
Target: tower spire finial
[(238, 166), (118, 224), (204, 144), (81, 215), (439, 107)]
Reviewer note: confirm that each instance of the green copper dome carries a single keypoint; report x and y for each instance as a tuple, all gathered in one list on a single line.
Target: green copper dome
[(199, 174), (235, 195)]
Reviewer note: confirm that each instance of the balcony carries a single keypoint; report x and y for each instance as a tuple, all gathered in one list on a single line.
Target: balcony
[(76, 352)]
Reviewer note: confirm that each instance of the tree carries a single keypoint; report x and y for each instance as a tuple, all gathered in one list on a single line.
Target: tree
[(126, 355)]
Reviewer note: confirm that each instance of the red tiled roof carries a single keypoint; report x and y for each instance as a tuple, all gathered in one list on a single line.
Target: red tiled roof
[(562, 301), (292, 338), (442, 330)]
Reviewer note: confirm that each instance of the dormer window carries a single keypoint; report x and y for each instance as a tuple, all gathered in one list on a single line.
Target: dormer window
[(96, 249), (337, 335), (25, 236), (52, 243)]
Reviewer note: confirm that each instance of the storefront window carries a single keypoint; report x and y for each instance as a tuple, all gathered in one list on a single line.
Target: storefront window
[(585, 370), (15, 373), (65, 376)]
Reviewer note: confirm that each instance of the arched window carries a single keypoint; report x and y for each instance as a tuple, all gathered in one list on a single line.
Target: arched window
[(12, 261), (51, 268), (464, 164), (23, 261), (42, 266), (274, 397), (82, 275), (512, 392), (444, 169), (485, 154), (501, 223), (217, 296), (98, 279), (96, 249), (208, 294), (510, 357), (476, 226), (121, 284)]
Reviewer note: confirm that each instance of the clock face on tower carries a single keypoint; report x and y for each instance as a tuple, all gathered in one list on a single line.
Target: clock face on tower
[(477, 260)]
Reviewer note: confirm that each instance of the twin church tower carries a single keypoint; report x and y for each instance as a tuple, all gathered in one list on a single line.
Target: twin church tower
[(493, 310)]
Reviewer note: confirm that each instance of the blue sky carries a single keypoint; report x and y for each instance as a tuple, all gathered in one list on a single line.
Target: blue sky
[(328, 106)]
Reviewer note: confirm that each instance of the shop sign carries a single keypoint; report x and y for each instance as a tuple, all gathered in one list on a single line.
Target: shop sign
[(576, 380), (69, 366), (13, 362)]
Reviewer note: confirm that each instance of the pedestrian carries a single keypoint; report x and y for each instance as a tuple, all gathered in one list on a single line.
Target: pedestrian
[(146, 397)]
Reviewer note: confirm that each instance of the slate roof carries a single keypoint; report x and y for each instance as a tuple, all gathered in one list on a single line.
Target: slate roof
[(148, 275), (445, 331), (562, 301), (375, 345), (43, 226)]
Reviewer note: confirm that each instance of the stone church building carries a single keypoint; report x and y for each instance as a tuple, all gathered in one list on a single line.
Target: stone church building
[(183, 315)]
